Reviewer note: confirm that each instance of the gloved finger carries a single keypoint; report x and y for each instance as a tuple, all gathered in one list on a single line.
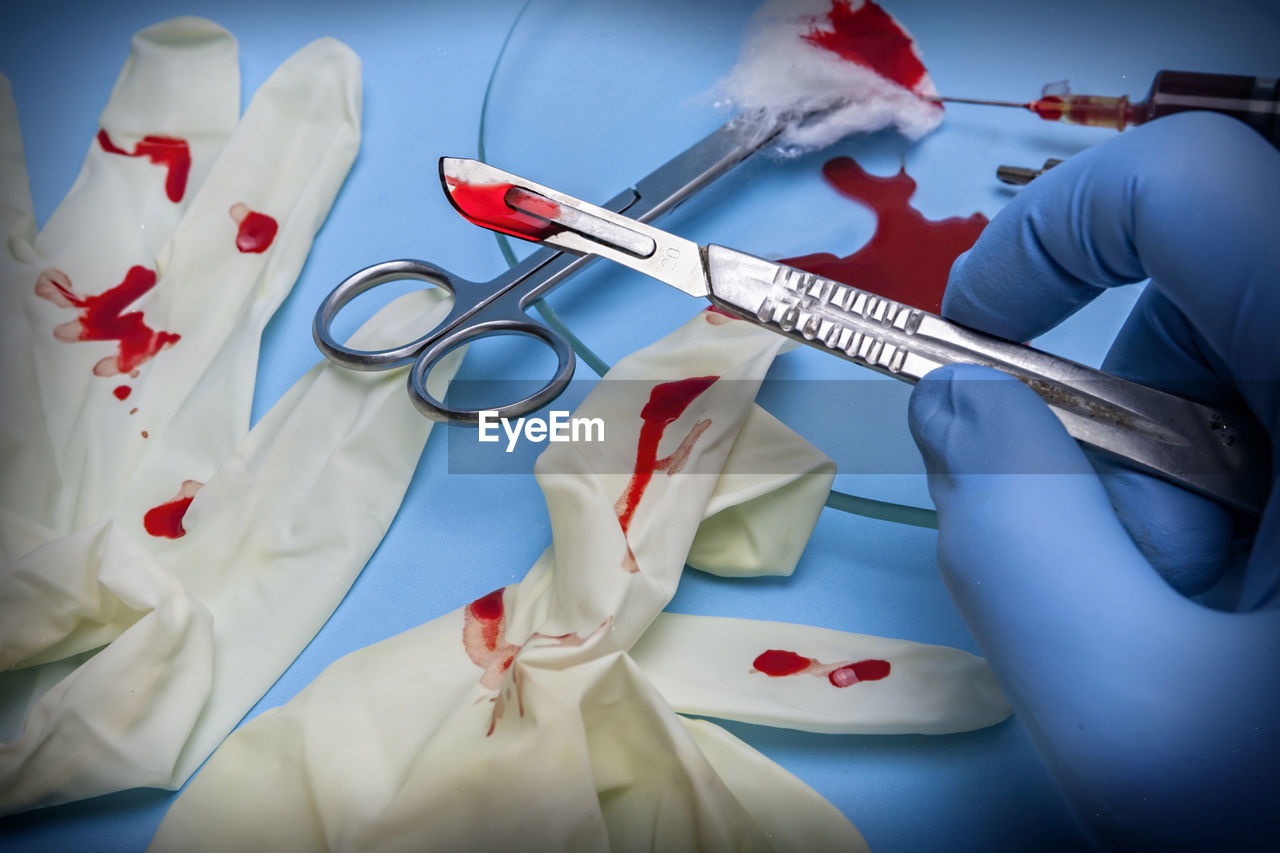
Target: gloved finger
[(171, 111), (1014, 491), (1149, 203), (1187, 538), (1113, 215), (1122, 683)]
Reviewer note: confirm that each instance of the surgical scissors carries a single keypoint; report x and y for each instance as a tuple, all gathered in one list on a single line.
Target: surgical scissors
[(498, 307)]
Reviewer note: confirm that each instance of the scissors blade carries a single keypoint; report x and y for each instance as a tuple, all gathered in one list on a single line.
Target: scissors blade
[(505, 202)]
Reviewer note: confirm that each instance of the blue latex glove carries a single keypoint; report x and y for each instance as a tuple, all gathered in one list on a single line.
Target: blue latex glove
[(1158, 714)]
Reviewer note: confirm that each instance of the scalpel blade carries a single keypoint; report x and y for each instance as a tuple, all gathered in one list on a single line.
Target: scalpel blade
[(514, 205)]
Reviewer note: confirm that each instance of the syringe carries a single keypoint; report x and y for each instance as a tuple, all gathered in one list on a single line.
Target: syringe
[(1253, 100)]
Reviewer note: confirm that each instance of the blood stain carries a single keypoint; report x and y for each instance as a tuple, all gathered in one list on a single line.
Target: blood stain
[(484, 628), (870, 37), (257, 230), (122, 392), (100, 319), (780, 662), (165, 520), (909, 257), (667, 401), (173, 154), (486, 205)]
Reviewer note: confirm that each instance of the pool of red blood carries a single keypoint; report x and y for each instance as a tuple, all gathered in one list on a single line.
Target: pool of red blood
[(908, 257)]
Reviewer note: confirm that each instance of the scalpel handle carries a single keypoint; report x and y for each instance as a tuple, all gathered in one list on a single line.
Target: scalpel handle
[(1221, 455)]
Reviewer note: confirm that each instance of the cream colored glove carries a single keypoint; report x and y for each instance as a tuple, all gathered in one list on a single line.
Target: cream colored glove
[(537, 717), (134, 637)]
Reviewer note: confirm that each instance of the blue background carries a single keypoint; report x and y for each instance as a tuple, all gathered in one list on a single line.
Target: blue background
[(588, 98)]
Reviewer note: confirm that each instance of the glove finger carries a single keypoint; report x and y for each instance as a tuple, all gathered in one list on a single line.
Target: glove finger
[(17, 219), (171, 111), (1186, 538), (240, 248), (1115, 214), (25, 453)]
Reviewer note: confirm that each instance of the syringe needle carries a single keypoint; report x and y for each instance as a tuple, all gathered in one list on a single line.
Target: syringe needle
[(940, 98)]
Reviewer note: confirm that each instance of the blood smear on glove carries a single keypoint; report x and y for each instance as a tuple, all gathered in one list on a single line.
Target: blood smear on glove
[(484, 627), (165, 520), (909, 257), (100, 319), (667, 401), (173, 154), (122, 392), (778, 663), (257, 230)]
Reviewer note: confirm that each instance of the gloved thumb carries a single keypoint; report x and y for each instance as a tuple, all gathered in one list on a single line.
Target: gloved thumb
[(1027, 537)]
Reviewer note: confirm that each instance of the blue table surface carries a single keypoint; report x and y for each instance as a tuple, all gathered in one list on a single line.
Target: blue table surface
[(588, 98)]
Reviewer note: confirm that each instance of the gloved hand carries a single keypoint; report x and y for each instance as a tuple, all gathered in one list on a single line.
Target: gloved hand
[(1158, 713)]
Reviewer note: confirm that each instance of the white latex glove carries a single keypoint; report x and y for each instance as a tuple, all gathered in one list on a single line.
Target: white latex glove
[(127, 656), (528, 719)]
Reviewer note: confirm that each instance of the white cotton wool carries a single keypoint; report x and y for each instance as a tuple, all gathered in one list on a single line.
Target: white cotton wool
[(824, 94)]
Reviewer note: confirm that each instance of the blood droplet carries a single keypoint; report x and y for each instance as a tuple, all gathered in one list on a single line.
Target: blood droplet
[(257, 230), (173, 154), (908, 258), (863, 670), (667, 401), (165, 520), (486, 205), (100, 319), (870, 37), (778, 663), (122, 392)]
